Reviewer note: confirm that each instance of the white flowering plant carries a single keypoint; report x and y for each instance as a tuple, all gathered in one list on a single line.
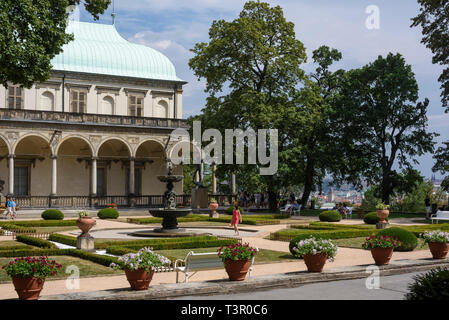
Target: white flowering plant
[(145, 258), (314, 246), (435, 236)]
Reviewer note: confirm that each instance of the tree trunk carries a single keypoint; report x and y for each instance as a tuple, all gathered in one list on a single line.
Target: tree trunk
[(308, 183), (386, 190)]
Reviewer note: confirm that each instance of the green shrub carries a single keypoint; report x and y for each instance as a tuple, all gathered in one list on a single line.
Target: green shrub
[(108, 213), (35, 242), (230, 209), (52, 214), (408, 240), (61, 238), (97, 258), (33, 252), (330, 216), (372, 218), (184, 245), (17, 229), (40, 223), (431, 286)]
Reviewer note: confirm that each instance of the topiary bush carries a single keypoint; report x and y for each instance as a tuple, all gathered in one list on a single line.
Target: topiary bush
[(330, 216), (433, 285), (372, 218), (408, 240), (230, 209), (52, 214), (108, 213)]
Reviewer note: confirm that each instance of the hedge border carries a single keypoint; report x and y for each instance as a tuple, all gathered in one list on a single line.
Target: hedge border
[(41, 243)]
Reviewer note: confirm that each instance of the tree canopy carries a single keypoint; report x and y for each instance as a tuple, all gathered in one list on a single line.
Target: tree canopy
[(32, 33)]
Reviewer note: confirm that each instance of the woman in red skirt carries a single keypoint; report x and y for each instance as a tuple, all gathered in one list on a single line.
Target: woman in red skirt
[(236, 217)]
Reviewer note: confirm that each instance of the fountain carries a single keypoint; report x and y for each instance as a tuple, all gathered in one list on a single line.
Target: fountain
[(169, 213)]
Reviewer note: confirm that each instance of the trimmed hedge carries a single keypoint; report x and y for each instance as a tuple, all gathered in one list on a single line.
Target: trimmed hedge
[(61, 238), (330, 216), (372, 218), (184, 244), (408, 239), (36, 242), (108, 213), (19, 247), (119, 251), (52, 214), (17, 228), (41, 223)]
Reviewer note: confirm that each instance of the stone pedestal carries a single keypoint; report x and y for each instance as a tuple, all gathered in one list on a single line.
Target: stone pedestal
[(381, 225), (85, 242), (199, 198)]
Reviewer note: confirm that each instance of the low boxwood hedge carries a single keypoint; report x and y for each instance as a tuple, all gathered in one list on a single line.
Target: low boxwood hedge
[(17, 228), (52, 214), (408, 240), (108, 213), (330, 216), (40, 223), (184, 244), (61, 238), (35, 242)]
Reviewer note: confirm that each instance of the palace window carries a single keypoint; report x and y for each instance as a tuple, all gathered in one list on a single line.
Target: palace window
[(21, 180), (135, 105), (78, 100), (101, 182), (15, 97)]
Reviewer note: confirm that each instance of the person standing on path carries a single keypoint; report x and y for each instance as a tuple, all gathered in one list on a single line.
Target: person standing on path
[(11, 208), (236, 217)]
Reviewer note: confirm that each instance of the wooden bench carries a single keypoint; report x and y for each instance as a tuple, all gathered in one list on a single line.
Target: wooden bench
[(440, 215), (201, 261)]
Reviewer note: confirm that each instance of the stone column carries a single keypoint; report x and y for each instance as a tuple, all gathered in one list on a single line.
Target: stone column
[(11, 174), (233, 188), (93, 181), (54, 160), (214, 179), (131, 181)]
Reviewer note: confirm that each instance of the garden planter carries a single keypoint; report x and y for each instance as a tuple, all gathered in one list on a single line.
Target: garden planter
[(237, 269), (85, 224), (382, 214), (139, 279), (315, 262), (28, 288), (382, 256), (439, 250), (213, 207)]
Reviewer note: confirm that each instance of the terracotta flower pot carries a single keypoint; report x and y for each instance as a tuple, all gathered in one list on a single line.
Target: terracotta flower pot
[(213, 206), (28, 288), (139, 279), (439, 250), (237, 269), (85, 224), (315, 262), (382, 255), (382, 214)]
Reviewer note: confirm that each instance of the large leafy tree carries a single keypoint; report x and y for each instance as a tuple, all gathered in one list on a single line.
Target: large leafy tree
[(251, 65), (32, 33), (383, 124), (442, 164), (434, 20)]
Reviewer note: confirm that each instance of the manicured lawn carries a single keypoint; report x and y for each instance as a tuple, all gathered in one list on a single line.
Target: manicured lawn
[(264, 256), (86, 268), (356, 243)]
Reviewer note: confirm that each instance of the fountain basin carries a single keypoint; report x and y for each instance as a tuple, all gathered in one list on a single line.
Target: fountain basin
[(169, 218)]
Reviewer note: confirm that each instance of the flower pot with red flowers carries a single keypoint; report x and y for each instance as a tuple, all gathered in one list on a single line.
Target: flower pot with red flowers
[(382, 211), (112, 205), (213, 206), (381, 248), (237, 259), (315, 253), (139, 267), (85, 222), (28, 275), (438, 242)]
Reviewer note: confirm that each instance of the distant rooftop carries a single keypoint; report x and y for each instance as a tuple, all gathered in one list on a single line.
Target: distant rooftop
[(100, 49)]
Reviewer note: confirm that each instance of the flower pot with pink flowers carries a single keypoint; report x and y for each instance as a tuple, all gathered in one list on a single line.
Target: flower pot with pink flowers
[(28, 275), (438, 242), (381, 248), (315, 253), (139, 267), (213, 206)]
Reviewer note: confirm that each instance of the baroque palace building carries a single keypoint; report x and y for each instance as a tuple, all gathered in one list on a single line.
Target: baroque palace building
[(97, 131)]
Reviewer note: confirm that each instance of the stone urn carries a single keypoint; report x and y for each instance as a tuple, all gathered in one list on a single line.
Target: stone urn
[(139, 279), (28, 288), (213, 206), (85, 224), (237, 269), (315, 262), (382, 214), (439, 250), (382, 256)]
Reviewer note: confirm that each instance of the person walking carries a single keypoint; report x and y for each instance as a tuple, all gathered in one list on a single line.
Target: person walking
[(236, 217), (11, 208)]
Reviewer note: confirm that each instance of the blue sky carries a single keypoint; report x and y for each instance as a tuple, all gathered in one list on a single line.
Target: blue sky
[(174, 26)]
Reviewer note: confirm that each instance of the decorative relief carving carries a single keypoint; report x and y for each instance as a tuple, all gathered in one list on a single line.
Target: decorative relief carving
[(12, 136), (95, 139)]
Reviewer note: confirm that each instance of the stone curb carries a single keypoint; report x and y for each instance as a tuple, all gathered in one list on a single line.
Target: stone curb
[(266, 282)]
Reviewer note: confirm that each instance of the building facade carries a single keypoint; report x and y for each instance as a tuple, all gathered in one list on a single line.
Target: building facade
[(97, 131)]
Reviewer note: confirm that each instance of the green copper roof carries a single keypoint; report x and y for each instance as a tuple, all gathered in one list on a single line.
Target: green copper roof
[(99, 48)]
